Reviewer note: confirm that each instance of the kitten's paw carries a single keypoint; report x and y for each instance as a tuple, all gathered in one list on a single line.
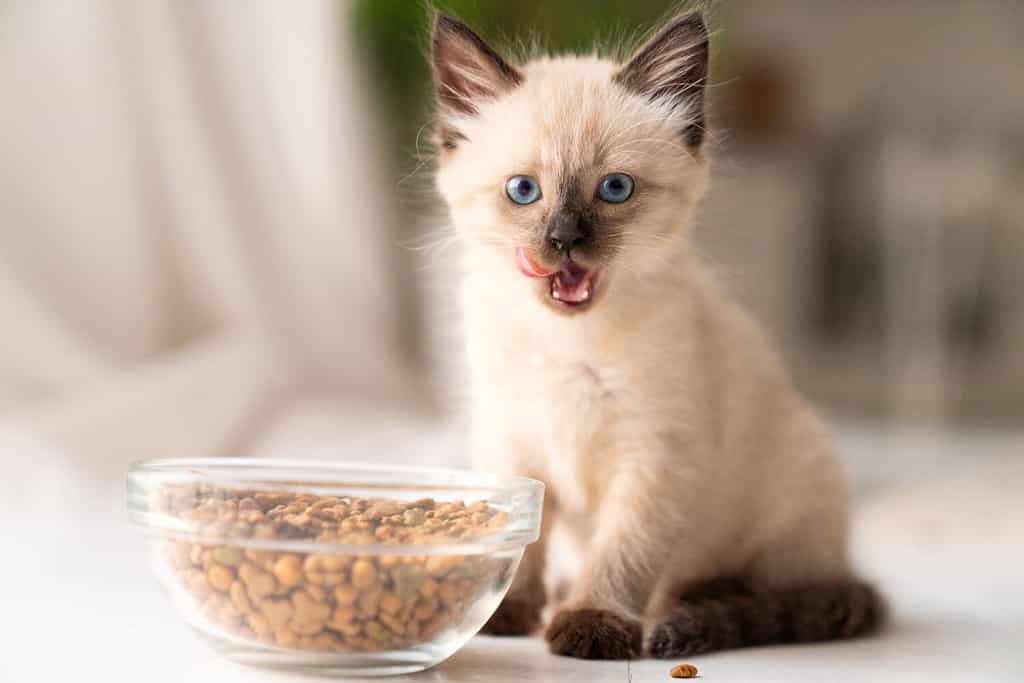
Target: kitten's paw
[(684, 634), (594, 634), (516, 616)]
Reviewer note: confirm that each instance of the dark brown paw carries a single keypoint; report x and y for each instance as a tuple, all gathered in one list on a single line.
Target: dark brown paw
[(594, 634), (514, 617), (684, 634)]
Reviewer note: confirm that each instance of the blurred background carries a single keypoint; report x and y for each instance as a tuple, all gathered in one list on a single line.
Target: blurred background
[(218, 234), (218, 237)]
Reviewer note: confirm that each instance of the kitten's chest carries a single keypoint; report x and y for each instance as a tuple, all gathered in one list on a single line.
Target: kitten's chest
[(579, 413)]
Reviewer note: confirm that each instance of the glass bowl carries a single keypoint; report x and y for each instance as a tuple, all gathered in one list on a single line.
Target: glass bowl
[(338, 568)]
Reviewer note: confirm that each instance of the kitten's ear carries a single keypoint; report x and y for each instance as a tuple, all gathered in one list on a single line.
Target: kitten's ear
[(466, 69), (673, 66)]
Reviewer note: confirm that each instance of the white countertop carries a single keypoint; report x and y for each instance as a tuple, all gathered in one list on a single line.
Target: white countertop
[(947, 546)]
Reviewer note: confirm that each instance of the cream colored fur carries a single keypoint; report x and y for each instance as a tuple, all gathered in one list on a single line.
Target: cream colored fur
[(670, 440)]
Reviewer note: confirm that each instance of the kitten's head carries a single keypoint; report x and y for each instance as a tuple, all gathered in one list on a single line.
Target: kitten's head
[(581, 171)]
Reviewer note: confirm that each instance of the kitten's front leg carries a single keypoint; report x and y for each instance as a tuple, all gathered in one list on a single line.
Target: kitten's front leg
[(498, 449), (642, 520), (520, 611)]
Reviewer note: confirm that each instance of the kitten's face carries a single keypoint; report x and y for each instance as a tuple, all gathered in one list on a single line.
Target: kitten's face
[(577, 169)]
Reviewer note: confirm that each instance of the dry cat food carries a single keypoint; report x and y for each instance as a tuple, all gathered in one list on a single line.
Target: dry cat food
[(321, 601), (683, 671)]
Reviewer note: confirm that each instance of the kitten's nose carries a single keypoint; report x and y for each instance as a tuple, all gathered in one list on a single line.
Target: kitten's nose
[(566, 231)]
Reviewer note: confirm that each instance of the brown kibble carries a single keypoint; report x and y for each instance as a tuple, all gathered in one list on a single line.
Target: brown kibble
[(369, 604), (259, 624), (306, 628), (449, 592), (308, 609), (439, 565), (407, 579), (346, 595), (396, 626), (325, 578), (228, 555), (428, 588), (316, 592), (323, 642), (389, 561), (288, 570), (341, 618), (277, 612), (413, 517), (376, 631), (426, 609), (260, 558), (220, 577), (259, 583), (390, 604), (285, 637), (412, 630), (320, 563), (683, 671), (364, 574), (239, 597), (350, 629), (328, 602)]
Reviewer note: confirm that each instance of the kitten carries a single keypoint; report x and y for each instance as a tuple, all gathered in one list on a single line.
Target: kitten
[(607, 361)]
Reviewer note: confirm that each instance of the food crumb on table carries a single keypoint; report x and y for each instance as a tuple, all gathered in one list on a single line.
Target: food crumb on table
[(683, 671)]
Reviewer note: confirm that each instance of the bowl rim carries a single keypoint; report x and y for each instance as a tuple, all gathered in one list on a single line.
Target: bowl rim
[(231, 472)]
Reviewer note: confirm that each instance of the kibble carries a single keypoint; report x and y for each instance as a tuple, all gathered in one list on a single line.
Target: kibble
[(364, 574), (684, 671), (326, 602), (220, 577), (288, 570)]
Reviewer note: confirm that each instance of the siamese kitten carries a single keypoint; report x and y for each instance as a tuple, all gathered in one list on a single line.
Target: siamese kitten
[(607, 361)]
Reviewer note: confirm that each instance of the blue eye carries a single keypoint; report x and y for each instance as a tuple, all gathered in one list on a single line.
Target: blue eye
[(522, 189), (615, 188)]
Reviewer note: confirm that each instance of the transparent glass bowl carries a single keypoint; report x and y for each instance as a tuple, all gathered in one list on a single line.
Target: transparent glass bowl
[(337, 568)]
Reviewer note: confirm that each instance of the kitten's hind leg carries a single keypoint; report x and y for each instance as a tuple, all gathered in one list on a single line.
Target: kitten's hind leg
[(731, 614)]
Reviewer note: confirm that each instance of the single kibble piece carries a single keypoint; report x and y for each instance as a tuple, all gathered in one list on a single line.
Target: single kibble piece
[(683, 671), (364, 574), (346, 595), (288, 570), (220, 577)]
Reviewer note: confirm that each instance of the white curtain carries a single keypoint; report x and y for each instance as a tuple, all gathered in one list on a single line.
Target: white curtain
[(194, 224)]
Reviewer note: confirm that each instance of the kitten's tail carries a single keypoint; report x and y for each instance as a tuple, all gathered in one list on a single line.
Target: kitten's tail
[(729, 614)]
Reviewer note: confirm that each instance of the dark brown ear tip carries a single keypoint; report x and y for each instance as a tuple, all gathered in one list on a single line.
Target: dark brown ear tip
[(442, 22), (444, 25), (691, 22)]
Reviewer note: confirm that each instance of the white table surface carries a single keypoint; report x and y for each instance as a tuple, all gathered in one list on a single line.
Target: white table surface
[(946, 544)]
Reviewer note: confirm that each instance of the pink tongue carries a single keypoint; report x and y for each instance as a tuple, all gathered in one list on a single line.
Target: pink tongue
[(527, 266)]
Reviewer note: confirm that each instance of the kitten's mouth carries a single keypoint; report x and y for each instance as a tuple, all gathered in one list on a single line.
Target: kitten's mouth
[(572, 286)]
